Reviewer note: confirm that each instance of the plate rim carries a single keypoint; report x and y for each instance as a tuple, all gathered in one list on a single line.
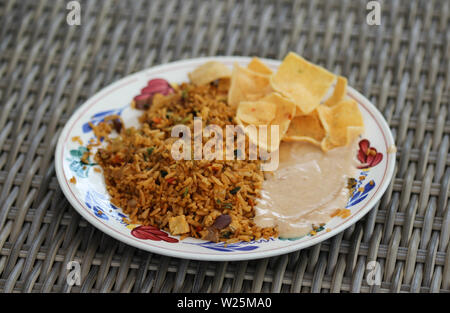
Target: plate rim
[(236, 256)]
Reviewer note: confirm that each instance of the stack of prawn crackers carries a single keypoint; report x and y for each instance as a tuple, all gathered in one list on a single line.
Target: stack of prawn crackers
[(307, 102)]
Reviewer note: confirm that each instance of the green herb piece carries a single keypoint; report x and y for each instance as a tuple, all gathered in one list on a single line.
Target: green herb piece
[(227, 205), (186, 119), (163, 173), (186, 190), (150, 150), (318, 228), (184, 94), (218, 201), (235, 190), (226, 234)]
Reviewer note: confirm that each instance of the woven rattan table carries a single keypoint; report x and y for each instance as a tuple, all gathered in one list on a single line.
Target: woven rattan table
[(49, 68)]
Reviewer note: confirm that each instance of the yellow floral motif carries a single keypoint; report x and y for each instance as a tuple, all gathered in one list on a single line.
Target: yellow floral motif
[(343, 213), (131, 226)]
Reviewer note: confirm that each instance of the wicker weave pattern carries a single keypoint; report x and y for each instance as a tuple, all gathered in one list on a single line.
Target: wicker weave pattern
[(48, 69)]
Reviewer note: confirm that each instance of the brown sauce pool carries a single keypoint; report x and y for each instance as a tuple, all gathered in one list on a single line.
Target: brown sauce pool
[(308, 186)]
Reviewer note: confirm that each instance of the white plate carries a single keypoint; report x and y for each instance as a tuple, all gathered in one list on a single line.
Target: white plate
[(89, 197)]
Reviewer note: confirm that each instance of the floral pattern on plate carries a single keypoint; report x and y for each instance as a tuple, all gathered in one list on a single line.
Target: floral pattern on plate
[(78, 167)]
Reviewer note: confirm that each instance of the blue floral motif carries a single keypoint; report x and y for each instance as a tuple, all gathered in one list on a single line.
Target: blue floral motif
[(103, 208), (232, 247), (100, 117), (95, 201), (359, 195), (80, 168)]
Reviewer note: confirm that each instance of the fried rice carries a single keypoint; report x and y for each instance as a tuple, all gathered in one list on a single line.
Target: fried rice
[(212, 200)]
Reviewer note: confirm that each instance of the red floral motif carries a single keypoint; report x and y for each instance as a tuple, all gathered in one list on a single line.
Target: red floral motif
[(152, 233), (157, 85), (368, 155), (154, 86)]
